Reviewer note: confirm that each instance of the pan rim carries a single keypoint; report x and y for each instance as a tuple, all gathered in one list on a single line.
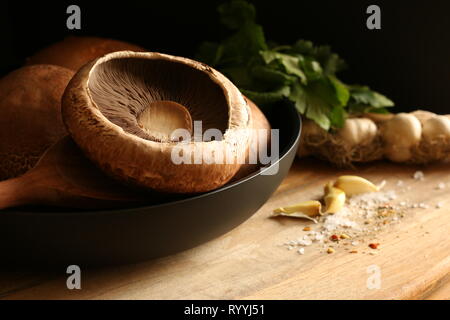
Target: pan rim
[(292, 142)]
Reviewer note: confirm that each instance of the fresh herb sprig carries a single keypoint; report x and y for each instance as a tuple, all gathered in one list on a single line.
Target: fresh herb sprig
[(303, 73)]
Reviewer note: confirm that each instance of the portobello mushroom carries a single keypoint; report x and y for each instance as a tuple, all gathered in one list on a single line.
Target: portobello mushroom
[(114, 105), (74, 52), (30, 115)]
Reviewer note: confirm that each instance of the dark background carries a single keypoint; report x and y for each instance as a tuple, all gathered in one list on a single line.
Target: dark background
[(408, 60)]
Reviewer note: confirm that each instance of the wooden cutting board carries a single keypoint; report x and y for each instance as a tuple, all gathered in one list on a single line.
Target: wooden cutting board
[(250, 262)]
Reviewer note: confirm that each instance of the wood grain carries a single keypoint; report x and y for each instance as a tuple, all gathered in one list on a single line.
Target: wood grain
[(442, 292), (250, 263)]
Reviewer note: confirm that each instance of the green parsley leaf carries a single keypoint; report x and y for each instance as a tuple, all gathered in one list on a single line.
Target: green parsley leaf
[(271, 76), (298, 97), (318, 111), (291, 64), (268, 97), (364, 95)]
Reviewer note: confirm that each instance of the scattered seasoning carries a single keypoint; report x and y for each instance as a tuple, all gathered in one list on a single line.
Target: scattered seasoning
[(334, 238), (373, 245), (362, 217)]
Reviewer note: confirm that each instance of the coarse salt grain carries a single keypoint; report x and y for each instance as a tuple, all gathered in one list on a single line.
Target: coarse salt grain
[(339, 219), (319, 237), (305, 241), (440, 186), (301, 251), (419, 175)]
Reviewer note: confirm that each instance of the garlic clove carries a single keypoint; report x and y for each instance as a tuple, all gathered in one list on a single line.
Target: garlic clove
[(423, 115), (309, 208), (353, 185), (334, 199), (358, 131), (400, 134), (436, 127)]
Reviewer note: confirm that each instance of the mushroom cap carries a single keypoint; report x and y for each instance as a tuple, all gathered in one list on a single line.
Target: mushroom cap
[(258, 122), (30, 115), (104, 99), (73, 52)]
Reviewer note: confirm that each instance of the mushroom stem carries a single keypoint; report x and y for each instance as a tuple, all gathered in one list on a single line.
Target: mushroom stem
[(161, 118)]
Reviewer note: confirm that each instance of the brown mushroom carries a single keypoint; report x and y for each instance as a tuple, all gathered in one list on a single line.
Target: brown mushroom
[(30, 115), (106, 99), (74, 52), (258, 122)]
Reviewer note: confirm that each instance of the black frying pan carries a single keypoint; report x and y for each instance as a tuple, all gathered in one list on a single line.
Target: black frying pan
[(44, 237)]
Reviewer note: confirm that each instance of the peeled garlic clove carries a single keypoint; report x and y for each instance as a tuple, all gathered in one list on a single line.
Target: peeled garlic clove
[(334, 199), (328, 187), (352, 185), (309, 208)]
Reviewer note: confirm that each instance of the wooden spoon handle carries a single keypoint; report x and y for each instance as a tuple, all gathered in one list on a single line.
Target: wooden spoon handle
[(15, 192)]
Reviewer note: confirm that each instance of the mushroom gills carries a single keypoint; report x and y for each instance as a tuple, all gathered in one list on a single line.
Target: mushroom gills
[(151, 98)]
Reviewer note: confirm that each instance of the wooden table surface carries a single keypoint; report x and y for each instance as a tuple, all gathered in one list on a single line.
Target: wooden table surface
[(250, 262)]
